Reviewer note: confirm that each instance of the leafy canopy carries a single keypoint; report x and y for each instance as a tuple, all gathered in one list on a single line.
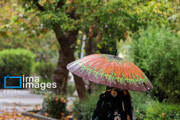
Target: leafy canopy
[(109, 19)]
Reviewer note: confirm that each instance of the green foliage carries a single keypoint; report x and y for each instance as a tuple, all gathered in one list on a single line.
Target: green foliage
[(162, 111), (113, 19), (154, 10), (141, 102), (107, 47), (20, 29), (16, 62), (50, 18), (44, 69), (70, 89), (55, 105), (43, 45), (146, 108), (14, 21), (156, 51), (83, 110), (109, 20), (51, 14)]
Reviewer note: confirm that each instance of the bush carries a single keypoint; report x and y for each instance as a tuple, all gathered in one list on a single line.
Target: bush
[(83, 110), (140, 101), (44, 69), (148, 109), (156, 52), (15, 62), (55, 105), (163, 111)]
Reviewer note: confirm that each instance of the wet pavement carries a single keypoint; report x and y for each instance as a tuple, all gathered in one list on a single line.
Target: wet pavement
[(13, 102)]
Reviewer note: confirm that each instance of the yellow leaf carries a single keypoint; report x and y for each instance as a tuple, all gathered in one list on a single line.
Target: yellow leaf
[(46, 114)]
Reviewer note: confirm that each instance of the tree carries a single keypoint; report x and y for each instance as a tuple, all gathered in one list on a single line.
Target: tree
[(20, 29), (102, 21), (60, 17)]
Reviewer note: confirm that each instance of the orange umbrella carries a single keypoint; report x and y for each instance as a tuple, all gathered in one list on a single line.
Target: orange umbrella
[(111, 71)]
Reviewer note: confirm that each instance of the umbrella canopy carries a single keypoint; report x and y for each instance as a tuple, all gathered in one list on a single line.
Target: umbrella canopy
[(111, 71)]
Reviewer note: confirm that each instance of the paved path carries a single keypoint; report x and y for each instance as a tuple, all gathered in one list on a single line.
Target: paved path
[(13, 100), (19, 96)]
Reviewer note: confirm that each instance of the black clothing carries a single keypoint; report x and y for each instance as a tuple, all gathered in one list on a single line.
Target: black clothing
[(113, 105)]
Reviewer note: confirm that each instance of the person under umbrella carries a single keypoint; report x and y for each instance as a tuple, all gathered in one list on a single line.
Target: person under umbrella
[(120, 75), (114, 104)]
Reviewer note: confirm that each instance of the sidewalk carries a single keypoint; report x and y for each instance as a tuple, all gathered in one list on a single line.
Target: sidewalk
[(14, 101), (19, 96)]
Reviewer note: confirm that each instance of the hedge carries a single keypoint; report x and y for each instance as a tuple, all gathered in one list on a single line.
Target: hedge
[(15, 62)]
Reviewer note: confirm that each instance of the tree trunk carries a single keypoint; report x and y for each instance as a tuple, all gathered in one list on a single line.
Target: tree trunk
[(61, 74), (66, 55)]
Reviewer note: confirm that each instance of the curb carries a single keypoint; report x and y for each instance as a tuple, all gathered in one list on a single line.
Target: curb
[(37, 116)]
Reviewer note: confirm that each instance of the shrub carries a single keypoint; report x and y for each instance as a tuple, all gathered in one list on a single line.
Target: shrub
[(163, 111), (148, 109), (44, 69), (55, 105), (15, 62), (83, 110), (140, 101), (156, 52)]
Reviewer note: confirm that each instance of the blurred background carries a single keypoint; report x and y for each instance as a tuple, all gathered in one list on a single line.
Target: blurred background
[(40, 37)]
